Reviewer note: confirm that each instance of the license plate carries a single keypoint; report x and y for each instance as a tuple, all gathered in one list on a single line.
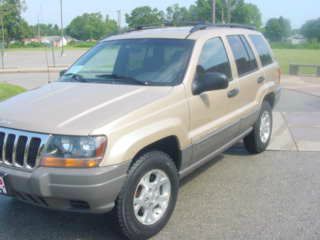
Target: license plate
[(3, 189)]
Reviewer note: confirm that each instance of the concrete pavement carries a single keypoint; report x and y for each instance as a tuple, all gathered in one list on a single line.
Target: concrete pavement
[(237, 196), (297, 121)]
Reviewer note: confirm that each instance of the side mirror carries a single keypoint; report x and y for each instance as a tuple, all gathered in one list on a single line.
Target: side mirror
[(62, 72), (209, 81)]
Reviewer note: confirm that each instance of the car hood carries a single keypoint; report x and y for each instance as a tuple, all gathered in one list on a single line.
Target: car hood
[(75, 108)]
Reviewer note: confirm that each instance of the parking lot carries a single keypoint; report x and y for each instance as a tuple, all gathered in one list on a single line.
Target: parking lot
[(274, 195)]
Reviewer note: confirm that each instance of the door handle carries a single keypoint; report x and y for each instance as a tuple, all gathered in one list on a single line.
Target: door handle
[(233, 93), (260, 80)]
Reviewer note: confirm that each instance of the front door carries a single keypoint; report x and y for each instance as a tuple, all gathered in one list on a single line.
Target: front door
[(214, 117)]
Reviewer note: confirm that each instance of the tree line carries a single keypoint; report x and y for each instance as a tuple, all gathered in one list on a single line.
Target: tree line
[(94, 26)]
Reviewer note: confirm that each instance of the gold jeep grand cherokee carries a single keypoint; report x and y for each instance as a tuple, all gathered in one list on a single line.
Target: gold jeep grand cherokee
[(133, 116)]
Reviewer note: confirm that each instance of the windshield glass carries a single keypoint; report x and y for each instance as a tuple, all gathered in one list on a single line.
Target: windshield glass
[(160, 62)]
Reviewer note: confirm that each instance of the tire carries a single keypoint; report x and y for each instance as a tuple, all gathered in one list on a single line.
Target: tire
[(134, 224), (258, 140)]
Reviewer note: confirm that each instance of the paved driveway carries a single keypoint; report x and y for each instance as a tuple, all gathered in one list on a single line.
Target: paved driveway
[(270, 196)]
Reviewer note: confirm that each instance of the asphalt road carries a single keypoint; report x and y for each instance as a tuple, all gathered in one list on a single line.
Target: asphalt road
[(35, 58), (274, 195), (270, 196)]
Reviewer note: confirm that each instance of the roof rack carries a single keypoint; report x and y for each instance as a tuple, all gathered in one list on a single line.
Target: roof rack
[(203, 26), (148, 27), (195, 26)]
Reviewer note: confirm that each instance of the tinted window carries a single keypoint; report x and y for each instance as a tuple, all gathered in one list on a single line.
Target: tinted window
[(243, 54), (262, 49), (214, 57), (252, 57)]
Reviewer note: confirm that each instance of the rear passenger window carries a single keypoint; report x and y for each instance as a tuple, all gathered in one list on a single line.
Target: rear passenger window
[(262, 49), (243, 54), (214, 58)]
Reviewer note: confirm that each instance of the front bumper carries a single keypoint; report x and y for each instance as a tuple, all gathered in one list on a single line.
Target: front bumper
[(81, 190)]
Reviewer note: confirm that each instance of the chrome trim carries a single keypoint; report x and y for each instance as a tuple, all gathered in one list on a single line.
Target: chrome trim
[(14, 150), (29, 135), (26, 153), (4, 147)]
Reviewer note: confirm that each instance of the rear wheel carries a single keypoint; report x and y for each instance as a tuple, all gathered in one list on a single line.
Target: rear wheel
[(258, 140), (148, 198)]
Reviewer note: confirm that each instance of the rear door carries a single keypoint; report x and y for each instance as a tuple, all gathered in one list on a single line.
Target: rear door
[(250, 78), (269, 65)]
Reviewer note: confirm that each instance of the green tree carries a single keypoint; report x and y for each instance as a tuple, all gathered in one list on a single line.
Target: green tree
[(227, 11), (145, 16), (14, 25), (91, 26), (177, 15), (278, 29), (201, 11), (311, 30), (247, 13), (46, 29)]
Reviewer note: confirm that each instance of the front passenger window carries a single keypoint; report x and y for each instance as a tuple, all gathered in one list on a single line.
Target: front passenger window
[(214, 58)]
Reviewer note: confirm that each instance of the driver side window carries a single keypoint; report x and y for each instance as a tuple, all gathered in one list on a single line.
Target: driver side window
[(214, 58)]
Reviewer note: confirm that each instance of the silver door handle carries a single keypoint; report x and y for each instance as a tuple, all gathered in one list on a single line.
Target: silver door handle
[(233, 93), (260, 80)]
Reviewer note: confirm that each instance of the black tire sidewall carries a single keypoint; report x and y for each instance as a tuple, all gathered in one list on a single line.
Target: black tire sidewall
[(261, 145), (148, 162)]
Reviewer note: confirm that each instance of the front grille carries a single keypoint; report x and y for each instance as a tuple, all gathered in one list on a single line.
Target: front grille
[(21, 149)]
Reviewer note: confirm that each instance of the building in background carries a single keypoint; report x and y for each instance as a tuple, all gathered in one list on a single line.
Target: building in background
[(56, 41), (297, 39)]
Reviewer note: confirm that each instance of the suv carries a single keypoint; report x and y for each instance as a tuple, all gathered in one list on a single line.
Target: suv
[(133, 116)]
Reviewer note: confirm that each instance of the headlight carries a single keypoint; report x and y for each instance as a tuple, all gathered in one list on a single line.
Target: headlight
[(74, 152)]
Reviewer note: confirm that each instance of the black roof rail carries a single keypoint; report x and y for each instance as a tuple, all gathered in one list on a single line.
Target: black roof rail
[(203, 26), (148, 27)]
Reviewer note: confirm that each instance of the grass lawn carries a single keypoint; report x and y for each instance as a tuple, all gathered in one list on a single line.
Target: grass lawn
[(8, 90), (298, 56)]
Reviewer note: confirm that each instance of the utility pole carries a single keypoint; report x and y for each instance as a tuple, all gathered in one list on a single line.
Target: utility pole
[(39, 30), (2, 44), (62, 30), (213, 3), (119, 19), (228, 8)]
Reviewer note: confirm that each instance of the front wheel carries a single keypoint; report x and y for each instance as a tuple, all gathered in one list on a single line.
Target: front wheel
[(148, 198), (258, 140)]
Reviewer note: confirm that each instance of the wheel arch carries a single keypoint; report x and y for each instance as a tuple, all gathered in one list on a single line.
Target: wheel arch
[(271, 99), (169, 145)]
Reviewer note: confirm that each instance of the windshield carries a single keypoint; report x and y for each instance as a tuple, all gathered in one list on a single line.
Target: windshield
[(160, 62)]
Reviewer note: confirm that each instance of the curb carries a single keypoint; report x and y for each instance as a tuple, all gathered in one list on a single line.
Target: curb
[(33, 70)]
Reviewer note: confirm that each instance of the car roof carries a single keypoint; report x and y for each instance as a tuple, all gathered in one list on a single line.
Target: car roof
[(181, 32)]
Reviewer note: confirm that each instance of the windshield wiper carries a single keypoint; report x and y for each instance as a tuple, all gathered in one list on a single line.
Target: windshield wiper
[(124, 78), (75, 77)]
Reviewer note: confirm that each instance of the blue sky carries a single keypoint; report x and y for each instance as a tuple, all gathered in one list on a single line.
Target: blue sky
[(48, 10)]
